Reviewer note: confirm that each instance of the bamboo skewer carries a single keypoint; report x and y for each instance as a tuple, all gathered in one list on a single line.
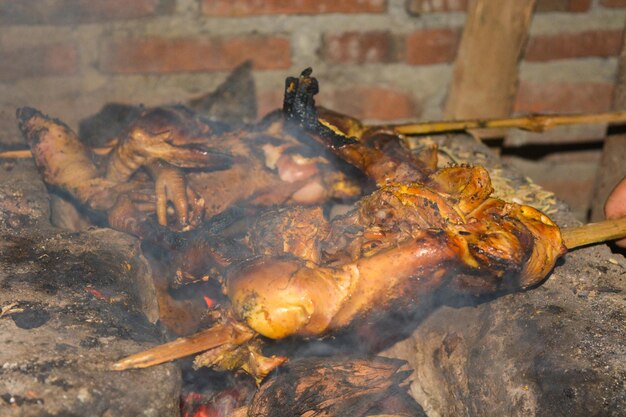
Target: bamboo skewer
[(20, 154), (234, 333), (25, 153), (533, 123), (588, 234), (215, 336)]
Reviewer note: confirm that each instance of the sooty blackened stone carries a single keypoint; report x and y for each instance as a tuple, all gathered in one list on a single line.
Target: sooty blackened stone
[(31, 318), (74, 303)]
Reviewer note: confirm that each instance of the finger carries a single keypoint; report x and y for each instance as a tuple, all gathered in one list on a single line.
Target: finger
[(615, 205), (621, 243)]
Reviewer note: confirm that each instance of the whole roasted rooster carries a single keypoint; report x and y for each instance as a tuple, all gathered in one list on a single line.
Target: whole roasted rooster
[(305, 275)]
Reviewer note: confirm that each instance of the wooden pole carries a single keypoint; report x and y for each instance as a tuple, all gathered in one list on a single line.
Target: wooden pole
[(220, 334), (534, 123), (486, 68), (25, 153)]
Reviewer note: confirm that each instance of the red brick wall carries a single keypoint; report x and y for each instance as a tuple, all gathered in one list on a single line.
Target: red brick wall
[(376, 59)]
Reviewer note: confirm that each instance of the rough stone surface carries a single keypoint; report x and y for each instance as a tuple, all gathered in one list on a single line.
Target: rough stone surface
[(556, 350), (77, 307)]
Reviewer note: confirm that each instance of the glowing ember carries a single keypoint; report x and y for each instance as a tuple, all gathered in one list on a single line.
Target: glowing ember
[(96, 293), (209, 301)]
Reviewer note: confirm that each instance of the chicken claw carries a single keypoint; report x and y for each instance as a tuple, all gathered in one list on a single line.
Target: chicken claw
[(172, 135), (171, 186)]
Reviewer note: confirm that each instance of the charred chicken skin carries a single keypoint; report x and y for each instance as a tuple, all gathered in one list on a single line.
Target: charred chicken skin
[(421, 229)]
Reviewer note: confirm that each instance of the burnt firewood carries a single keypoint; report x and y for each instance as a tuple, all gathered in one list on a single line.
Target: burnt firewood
[(335, 387)]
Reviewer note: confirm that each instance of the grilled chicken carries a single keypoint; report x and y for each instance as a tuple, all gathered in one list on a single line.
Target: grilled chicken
[(301, 274)]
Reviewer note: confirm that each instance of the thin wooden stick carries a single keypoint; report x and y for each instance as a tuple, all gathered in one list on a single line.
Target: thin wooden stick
[(21, 154), (534, 123), (25, 153), (594, 233), (232, 333)]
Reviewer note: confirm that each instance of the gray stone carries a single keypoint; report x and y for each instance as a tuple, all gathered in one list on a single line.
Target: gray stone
[(79, 302)]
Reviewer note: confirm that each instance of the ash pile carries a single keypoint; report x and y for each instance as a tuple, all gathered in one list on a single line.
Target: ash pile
[(464, 339)]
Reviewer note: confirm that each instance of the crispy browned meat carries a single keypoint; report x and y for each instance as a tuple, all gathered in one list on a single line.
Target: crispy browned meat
[(396, 247), (295, 230), (171, 134), (298, 272), (66, 163), (398, 244)]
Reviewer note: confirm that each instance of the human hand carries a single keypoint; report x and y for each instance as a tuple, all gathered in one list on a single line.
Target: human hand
[(615, 206)]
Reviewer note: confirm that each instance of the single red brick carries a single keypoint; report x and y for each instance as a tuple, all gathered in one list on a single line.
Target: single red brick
[(371, 103), (576, 6), (73, 11), (161, 55), (579, 6), (256, 7), (359, 48), (44, 60), (613, 3), (570, 97), (601, 43), (432, 46), (434, 6)]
